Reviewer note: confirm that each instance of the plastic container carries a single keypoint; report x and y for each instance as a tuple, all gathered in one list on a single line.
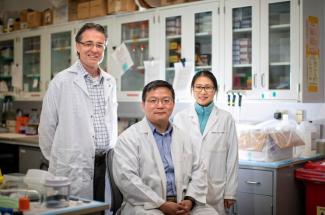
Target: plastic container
[(35, 179), (57, 192), (313, 175)]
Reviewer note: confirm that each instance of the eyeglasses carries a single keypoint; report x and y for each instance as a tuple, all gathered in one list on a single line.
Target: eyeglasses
[(199, 88), (163, 101), (90, 45)]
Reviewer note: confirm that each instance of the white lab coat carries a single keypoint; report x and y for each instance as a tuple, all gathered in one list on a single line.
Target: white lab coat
[(219, 152), (66, 130), (140, 175)]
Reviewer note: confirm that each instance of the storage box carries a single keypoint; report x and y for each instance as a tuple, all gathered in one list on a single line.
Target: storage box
[(170, 2), (267, 146), (34, 19), (83, 10), (23, 14), (47, 17), (72, 10), (117, 6), (98, 8)]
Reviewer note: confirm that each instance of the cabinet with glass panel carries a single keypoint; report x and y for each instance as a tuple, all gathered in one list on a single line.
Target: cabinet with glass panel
[(136, 31), (167, 35), (191, 33), (265, 55), (7, 57), (32, 63)]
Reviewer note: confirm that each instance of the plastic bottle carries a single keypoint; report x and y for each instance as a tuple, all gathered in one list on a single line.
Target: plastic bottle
[(307, 132)]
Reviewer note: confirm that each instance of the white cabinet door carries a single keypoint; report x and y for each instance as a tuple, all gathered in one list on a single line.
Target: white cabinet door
[(7, 61), (279, 50), (191, 33), (137, 32), (32, 65), (242, 40)]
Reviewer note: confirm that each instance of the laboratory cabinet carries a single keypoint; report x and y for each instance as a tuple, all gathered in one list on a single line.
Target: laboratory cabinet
[(270, 188), (29, 158), (7, 51), (167, 35), (266, 49)]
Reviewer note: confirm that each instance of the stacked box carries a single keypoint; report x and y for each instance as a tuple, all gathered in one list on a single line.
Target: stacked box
[(47, 17), (83, 11), (242, 51), (34, 19), (98, 8), (170, 2), (72, 10), (117, 6)]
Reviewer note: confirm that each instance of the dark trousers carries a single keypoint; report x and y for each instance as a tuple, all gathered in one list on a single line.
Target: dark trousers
[(99, 178)]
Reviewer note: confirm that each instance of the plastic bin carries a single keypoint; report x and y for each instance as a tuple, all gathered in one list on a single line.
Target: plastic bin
[(313, 175)]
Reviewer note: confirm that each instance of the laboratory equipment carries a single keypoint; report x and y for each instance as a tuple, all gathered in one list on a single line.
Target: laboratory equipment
[(57, 192)]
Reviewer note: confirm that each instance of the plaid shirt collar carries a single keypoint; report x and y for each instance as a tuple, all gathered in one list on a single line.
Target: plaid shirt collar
[(86, 75)]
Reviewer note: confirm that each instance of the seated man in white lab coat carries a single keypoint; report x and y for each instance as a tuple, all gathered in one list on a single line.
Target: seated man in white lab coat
[(155, 164)]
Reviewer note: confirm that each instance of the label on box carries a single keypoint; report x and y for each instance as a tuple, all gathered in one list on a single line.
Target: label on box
[(320, 210)]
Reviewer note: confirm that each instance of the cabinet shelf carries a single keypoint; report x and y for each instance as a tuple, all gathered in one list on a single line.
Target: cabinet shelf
[(139, 40), (5, 76), (203, 67), (242, 65), (32, 75), (170, 68), (173, 37), (280, 63), (203, 34), (242, 30), (35, 51), (6, 59), (65, 48), (280, 27)]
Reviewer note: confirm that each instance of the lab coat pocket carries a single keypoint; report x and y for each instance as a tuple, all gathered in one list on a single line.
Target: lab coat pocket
[(217, 166), (216, 141)]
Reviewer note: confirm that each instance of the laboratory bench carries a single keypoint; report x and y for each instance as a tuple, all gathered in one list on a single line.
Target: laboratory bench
[(19, 153), (270, 188)]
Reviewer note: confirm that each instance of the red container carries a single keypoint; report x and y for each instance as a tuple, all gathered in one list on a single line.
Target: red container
[(313, 175)]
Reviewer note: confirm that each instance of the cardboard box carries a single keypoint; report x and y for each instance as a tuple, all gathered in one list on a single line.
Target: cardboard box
[(47, 17), (170, 2), (23, 14), (34, 19), (72, 10), (83, 10), (117, 6), (17, 25), (98, 8)]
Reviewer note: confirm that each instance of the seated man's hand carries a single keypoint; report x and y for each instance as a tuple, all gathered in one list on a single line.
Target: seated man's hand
[(171, 208), (187, 206)]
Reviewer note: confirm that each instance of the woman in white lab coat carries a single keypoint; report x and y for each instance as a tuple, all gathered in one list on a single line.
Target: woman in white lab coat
[(213, 130)]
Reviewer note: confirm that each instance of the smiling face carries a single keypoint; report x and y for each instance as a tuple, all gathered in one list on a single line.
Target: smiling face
[(203, 90), (158, 106), (90, 57)]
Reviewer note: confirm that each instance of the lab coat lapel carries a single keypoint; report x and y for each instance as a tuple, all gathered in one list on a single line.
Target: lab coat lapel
[(193, 117), (149, 136), (211, 121), (107, 85), (79, 80)]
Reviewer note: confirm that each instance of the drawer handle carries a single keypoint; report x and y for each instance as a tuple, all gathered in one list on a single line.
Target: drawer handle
[(253, 182)]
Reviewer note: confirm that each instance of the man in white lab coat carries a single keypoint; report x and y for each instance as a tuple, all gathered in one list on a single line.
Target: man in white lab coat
[(155, 164), (78, 122)]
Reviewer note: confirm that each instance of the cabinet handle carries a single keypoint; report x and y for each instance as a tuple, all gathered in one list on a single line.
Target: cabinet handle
[(262, 80), (253, 182), (255, 80)]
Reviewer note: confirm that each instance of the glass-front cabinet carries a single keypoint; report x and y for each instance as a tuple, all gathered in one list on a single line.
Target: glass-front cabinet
[(137, 33), (279, 49), (191, 34), (242, 45), (31, 66), (261, 48), (6, 61), (60, 51)]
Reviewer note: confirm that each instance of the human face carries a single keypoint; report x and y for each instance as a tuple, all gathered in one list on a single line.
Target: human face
[(158, 106), (91, 56), (203, 91)]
